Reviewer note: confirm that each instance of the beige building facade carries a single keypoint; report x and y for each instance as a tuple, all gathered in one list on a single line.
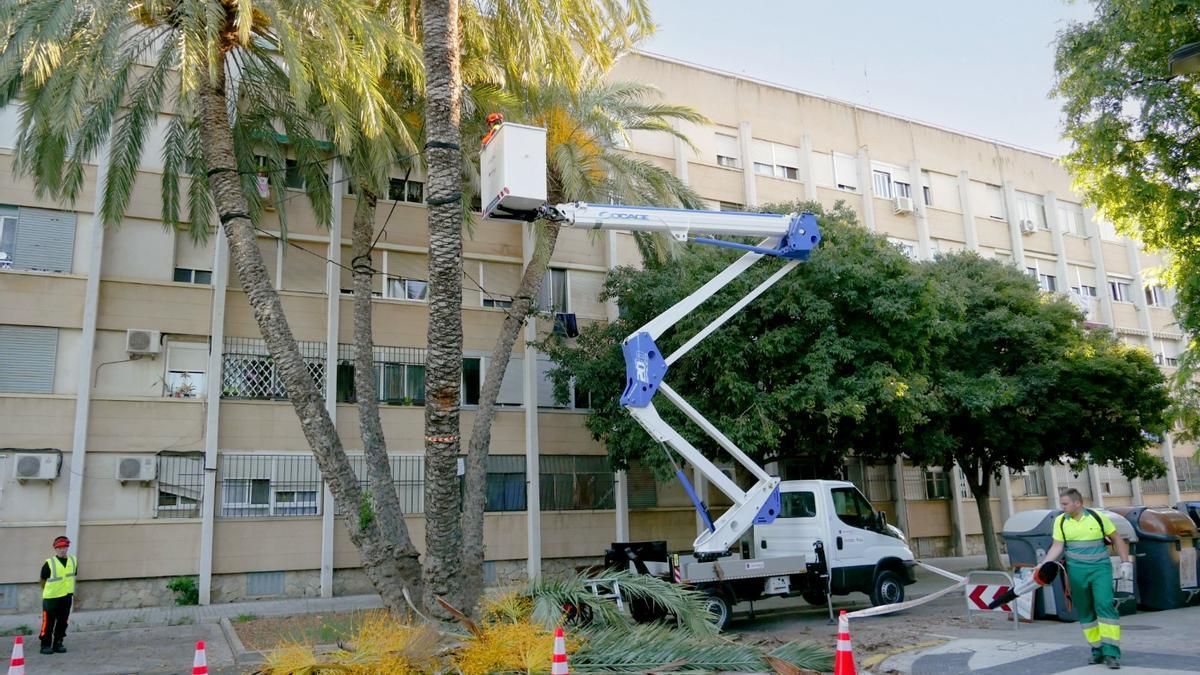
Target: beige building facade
[(140, 413)]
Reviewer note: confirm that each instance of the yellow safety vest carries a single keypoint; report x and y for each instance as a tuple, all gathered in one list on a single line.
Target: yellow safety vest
[(62, 578)]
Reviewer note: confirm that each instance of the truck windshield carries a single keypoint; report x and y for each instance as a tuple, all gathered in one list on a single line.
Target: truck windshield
[(852, 508), (797, 505)]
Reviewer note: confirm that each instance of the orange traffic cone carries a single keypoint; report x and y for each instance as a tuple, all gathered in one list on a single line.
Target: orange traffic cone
[(16, 666), (843, 663), (559, 667), (199, 663)]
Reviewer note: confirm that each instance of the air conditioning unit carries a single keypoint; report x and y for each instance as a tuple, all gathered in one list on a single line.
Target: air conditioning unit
[(142, 469), (143, 341), (36, 466), (902, 205), (1028, 227)]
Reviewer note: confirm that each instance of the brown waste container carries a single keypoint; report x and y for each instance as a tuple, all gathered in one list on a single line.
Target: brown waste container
[(1166, 567)]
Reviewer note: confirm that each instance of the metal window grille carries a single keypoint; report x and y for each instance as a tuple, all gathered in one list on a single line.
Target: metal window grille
[(874, 481), (249, 371), (269, 486), (1035, 481), (573, 482), (180, 485), (264, 583), (399, 374), (642, 488), (506, 483), (923, 484), (1188, 474), (408, 475), (1158, 486), (1069, 479)]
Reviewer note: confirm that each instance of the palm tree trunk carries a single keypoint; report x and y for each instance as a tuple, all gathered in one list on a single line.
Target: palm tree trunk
[(385, 572), (443, 363), (475, 492), (386, 504)]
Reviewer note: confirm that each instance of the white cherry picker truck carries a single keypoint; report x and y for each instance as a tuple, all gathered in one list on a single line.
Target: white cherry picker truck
[(813, 538)]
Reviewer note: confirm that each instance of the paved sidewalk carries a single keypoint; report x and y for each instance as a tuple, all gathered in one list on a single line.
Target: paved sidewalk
[(110, 619)]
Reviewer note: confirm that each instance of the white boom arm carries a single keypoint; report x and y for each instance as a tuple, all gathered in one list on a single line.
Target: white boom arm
[(788, 236)]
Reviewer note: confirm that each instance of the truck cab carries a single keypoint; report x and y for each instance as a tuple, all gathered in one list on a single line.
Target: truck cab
[(863, 553)]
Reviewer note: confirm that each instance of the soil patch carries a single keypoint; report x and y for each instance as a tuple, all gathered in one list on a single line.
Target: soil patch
[(310, 629)]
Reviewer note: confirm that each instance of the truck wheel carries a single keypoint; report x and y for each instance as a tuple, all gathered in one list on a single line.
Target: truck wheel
[(888, 590), (719, 607), (814, 597)]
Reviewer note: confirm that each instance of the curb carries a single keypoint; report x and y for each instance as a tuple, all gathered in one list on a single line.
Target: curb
[(241, 655)]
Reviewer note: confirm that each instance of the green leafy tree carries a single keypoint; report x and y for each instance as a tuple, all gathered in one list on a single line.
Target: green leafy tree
[(1134, 131), (94, 75), (1016, 381), (830, 360)]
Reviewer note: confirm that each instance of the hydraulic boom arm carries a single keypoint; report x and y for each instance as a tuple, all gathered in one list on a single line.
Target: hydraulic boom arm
[(792, 237)]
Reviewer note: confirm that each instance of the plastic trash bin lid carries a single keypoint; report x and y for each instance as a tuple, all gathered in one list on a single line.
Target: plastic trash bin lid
[(1035, 521), (1166, 521)]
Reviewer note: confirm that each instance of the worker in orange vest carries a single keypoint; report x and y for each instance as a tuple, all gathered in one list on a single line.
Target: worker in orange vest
[(494, 120)]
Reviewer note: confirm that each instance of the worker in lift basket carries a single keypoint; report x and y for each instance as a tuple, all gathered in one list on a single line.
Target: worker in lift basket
[(58, 589), (1085, 535)]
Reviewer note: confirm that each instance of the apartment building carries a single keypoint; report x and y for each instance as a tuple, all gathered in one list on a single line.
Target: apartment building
[(140, 412), (929, 190)]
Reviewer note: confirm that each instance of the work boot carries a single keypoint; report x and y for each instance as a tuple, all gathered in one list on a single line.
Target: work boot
[(1112, 662), (60, 649), (1097, 658), (47, 650)]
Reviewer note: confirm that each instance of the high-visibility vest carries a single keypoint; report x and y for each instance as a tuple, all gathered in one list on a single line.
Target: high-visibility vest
[(62, 578)]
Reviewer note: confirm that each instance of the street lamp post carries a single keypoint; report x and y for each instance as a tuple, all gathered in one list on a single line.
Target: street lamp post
[(1185, 60)]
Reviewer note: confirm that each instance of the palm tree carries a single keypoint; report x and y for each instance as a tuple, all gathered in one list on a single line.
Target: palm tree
[(524, 32), (584, 163), (90, 71)]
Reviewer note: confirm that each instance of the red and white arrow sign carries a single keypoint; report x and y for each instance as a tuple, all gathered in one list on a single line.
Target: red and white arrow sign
[(978, 597)]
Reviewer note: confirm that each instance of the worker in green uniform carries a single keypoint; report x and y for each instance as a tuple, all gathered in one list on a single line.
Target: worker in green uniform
[(1084, 535)]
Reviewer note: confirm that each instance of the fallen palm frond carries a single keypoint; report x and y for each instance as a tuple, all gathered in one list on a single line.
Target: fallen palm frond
[(381, 644), (648, 646), (551, 595)]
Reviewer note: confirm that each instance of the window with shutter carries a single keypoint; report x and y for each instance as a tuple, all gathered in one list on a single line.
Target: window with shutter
[(27, 355), (43, 241)]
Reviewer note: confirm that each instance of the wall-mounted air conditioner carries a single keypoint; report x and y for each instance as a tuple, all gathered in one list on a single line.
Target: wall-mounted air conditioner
[(140, 469), (902, 205), (36, 466), (143, 341), (1028, 227)]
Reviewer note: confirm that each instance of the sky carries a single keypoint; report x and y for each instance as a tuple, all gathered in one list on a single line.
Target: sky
[(984, 68)]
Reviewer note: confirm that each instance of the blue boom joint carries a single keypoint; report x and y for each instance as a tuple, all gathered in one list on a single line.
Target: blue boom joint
[(802, 237), (769, 511), (644, 370)]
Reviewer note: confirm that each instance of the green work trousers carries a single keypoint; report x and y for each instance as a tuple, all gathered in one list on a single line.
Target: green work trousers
[(1092, 597)]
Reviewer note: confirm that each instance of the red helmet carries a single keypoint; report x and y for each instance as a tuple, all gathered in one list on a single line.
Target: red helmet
[(61, 541), (494, 118)]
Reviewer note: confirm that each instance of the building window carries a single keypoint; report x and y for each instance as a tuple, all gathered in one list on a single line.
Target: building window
[(1156, 296), (180, 485), (472, 381), (1085, 290), (1070, 219), (572, 483), (46, 244), (883, 183), (400, 383), (269, 486), (764, 169), (902, 189), (906, 246), (506, 483), (408, 478), (928, 195), (727, 151), (185, 275), (1031, 208), (407, 289), (1035, 481), (1048, 282), (926, 483), (787, 172), (8, 239), (1121, 290), (401, 190), (845, 172), (731, 206), (555, 290), (497, 303), (292, 176), (249, 371), (27, 359)]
